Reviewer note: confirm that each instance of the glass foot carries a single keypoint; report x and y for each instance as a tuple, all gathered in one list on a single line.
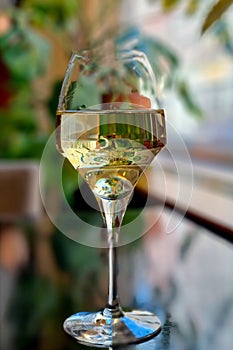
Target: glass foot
[(100, 330)]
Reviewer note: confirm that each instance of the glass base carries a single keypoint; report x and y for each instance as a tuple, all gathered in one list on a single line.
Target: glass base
[(103, 329)]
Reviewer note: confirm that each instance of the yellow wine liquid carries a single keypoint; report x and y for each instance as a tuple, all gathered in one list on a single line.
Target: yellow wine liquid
[(110, 149)]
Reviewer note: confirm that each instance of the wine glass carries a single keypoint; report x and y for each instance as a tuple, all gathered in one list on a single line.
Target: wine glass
[(110, 128)]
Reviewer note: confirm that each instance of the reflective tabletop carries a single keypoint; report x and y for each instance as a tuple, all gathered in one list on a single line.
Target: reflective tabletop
[(184, 276)]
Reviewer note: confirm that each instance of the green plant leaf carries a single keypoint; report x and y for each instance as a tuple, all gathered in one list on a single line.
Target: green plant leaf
[(169, 5), (187, 99), (163, 60), (84, 93), (25, 53), (215, 13), (54, 12), (192, 7)]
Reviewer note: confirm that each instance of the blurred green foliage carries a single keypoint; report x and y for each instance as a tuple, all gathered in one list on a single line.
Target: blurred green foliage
[(51, 12), (215, 11), (25, 55)]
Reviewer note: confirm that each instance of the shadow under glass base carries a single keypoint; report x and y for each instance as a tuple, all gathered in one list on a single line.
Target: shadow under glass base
[(101, 330)]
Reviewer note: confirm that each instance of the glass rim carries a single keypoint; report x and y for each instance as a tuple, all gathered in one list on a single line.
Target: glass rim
[(132, 52), (113, 111)]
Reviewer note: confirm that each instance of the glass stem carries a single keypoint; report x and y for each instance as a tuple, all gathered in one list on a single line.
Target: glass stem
[(113, 212), (113, 301)]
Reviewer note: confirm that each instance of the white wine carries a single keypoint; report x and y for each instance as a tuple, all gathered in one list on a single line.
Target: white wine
[(110, 149)]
